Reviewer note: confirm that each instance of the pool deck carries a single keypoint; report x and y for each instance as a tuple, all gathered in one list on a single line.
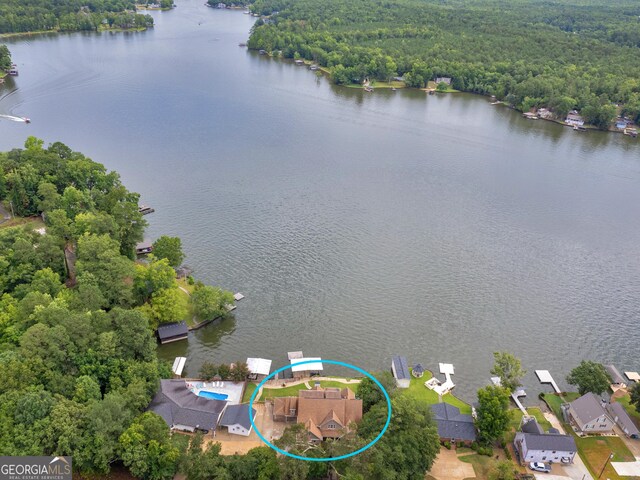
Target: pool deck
[(232, 390)]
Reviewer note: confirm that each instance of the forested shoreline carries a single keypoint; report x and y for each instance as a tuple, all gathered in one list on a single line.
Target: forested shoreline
[(563, 54), (18, 16)]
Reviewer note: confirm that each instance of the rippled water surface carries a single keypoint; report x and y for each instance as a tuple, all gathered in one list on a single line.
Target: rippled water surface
[(357, 225)]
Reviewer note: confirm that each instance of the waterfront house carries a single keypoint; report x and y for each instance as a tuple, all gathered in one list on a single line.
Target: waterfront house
[(236, 419), (328, 412), (417, 370), (440, 80), (259, 368), (588, 415), (617, 381), (575, 119), (185, 411), (172, 332), (622, 418), (400, 371), (453, 426), (533, 445)]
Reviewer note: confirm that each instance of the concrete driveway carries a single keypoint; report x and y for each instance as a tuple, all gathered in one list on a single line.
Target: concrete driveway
[(577, 470), (449, 467)]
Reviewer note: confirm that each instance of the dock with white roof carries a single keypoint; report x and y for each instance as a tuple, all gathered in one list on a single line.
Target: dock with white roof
[(314, 367), (545, 377), (178, 366), (633, 376)]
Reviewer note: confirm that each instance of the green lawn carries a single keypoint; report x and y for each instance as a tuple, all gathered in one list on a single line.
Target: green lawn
[(418, 391), (554, 401), (293, 390), (482, 464), (595, 451), (248, 391), (631, 409)]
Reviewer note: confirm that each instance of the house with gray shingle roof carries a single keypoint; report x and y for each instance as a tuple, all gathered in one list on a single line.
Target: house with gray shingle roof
[(533, 445), (622, 418), (588, 414), (453, 426), (236, 419), (617, 381), (184, 410)]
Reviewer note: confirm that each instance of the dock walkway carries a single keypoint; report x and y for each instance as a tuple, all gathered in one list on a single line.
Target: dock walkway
[(545, 377)]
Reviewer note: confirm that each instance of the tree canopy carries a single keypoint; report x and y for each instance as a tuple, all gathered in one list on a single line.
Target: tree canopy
[(561, 54), (508, 367), (589, 376), (493, 412)]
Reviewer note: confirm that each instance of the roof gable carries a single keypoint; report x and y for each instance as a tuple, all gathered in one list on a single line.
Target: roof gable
[(587, 408)]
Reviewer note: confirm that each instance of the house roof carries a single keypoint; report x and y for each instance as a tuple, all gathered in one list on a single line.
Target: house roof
[(178, 405), (238, 415), (588, 407), (315, 366), (284, 405), (316, 407), (259, 366), (536, 441), (175, 329), (418, 368), (400, 367), (614, 374), (452, 423), (532, 426), (617, 410)]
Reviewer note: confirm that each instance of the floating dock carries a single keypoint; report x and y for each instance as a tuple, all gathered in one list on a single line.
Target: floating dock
[(178, 366), (545, 377), (516, 398), (238, 296), (633, 376)]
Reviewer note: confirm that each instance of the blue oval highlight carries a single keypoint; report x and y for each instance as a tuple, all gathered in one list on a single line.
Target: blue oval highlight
[(329, 459)]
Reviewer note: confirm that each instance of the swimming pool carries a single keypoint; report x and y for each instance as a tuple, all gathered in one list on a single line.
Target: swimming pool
[(213, 395)]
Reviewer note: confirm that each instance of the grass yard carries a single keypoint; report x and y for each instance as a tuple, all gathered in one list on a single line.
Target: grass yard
[(481, 464), (35, 222), (248, 391), (596, 450), (555, 401), (631, 410), (418, 391), (293, 390)]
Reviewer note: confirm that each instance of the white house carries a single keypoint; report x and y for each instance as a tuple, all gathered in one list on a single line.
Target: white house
[(533, 445), (236, 419), (574, 118), (588, 414)]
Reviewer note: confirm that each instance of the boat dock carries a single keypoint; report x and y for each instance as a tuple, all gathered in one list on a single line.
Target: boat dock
[(515, 396), (178, 366), (545, 377), (633, 376)]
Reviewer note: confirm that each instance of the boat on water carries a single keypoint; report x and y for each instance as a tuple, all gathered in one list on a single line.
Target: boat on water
[(579, 128), (368, 89), (393, 89), (145, 210), (632, 132)]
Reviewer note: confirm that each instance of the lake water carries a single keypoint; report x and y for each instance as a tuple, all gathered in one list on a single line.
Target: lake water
[(358, 225)]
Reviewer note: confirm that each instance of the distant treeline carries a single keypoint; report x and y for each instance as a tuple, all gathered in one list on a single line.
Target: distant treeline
[(69, 15), (562, 54)]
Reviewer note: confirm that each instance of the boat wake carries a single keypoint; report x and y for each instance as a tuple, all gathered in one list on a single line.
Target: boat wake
[(16, 119)]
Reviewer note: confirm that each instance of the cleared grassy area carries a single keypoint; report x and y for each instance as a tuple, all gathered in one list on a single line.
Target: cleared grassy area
[(418, 391), (631, 409), (596, 450), (482, 464), (248, 391), (35, 222), (555, 401), (293, 390)]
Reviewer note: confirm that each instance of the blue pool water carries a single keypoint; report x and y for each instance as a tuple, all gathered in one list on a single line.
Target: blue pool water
[(213, 395)]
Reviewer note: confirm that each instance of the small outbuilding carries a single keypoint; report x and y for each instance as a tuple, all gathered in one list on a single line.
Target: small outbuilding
[(172, 332), (144, 248), (418, 370), (314, 367), (400, 371), (259, 368), (237, 420)]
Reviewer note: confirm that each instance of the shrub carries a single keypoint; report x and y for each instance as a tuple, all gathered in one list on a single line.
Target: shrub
[(191, 280), (447, 445)]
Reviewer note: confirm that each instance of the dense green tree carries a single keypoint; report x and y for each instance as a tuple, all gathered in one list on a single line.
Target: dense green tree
[(5, 58), (370, 393), (589, 376), (208, 371), (239, 372), (493, 412), (156, 276), (166, 305), (147, 450), (503, 470), (169, 248), (635, 396), (210, 302), (507, 366)]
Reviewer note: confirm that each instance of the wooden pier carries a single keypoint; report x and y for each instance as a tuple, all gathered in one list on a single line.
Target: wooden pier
[(545, 377)]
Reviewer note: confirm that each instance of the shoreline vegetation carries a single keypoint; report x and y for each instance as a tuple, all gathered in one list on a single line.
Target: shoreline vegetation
[(563, 62)]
